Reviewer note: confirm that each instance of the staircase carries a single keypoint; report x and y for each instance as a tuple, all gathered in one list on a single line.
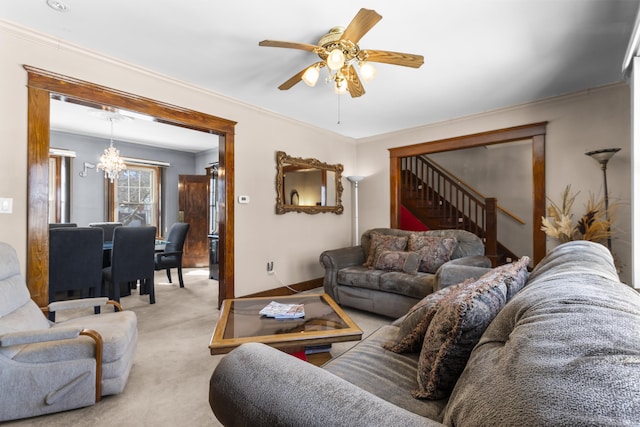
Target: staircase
[(440, 201)]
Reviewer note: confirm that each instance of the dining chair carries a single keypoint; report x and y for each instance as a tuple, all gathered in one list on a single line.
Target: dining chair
[(75, 263), (131, 261), (62, 225), (108, 229), (172, 255)]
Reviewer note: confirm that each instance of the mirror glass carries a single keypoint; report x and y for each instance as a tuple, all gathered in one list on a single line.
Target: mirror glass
[(307, 185)]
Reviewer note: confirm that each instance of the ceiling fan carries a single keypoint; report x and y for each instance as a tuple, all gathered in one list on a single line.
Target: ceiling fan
[(339, 52)]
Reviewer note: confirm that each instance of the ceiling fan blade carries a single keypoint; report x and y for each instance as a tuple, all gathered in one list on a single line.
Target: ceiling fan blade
[(354, 85), (298, 77), (289, 45), (395, 58), (364, 20)]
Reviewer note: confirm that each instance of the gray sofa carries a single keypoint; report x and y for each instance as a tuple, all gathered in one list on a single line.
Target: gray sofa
[(391, 293), (565, 350)]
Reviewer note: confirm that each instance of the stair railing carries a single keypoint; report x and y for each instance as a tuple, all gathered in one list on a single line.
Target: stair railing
[(455, 205)]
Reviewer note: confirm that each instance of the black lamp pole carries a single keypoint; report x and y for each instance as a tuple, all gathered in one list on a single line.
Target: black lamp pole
[(602, 156)]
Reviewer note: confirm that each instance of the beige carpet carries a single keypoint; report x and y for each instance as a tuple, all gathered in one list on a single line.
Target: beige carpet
[(169, 381)]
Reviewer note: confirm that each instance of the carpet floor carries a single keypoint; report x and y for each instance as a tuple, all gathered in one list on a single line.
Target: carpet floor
[(169, 380)]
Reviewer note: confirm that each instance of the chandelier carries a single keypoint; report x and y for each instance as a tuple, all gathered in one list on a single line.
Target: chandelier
[(110, 161)]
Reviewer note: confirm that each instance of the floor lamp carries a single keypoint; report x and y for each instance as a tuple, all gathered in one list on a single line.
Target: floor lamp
[(602, 156), (355, 180)]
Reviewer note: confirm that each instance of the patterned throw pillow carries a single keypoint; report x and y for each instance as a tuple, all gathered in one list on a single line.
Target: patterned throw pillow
[(434, 250), (407, 262), (415, 324), (384, 242), (458, 325)]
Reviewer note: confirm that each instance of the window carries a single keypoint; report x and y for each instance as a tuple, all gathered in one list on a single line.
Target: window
[(60, 185), (135, 196)]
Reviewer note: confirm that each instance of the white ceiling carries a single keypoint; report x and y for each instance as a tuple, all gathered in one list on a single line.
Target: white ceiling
[(479, 54)]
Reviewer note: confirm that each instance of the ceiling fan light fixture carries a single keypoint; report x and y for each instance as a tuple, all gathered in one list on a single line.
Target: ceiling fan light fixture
[(310, 77), (341, 85), (335, 60), (367, 71)]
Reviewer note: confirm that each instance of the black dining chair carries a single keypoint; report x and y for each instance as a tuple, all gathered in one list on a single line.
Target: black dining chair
[(172, 255), (131, 261), (75, 263), (62, 225), (108, 228)]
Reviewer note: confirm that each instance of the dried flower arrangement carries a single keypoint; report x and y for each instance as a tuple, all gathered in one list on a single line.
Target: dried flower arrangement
[(595, 225)]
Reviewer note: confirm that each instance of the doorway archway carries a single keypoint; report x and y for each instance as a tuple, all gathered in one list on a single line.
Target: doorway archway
[(41, 85), (536, 132)]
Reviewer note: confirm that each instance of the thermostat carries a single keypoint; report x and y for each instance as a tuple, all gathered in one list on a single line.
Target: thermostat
[(243, 199)]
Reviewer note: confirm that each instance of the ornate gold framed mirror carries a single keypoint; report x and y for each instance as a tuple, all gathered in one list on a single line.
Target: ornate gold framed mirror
[(307, 185)]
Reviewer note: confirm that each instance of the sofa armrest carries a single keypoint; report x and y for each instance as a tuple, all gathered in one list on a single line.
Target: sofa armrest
[(472, 261), (458, 270), (39, 335), (336, 259), (258, 385), (75, 304)]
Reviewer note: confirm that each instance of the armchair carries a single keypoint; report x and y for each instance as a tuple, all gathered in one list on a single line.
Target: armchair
[(49, 367), (172, 255)]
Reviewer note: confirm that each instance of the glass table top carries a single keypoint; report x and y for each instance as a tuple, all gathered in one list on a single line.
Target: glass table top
[(324, 322)]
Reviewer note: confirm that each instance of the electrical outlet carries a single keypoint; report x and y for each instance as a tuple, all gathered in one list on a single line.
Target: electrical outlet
[(269, 267)]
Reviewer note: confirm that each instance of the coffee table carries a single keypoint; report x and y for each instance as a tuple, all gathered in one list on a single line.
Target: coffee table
[(324, 323)]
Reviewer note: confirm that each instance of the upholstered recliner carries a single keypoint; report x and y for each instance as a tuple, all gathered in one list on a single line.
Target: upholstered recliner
[(49, 367), (353, 279)]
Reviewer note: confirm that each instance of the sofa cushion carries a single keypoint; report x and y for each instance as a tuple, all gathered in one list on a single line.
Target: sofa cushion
[(407, 262), (459, 323), (384, 242), (415, 286), (361, 277), (414, 325), (433, 250), (388, 375)]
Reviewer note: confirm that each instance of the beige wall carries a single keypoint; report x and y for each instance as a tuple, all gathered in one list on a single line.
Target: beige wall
[(293, 241), (491, 172), (592, 119), (597, 118)]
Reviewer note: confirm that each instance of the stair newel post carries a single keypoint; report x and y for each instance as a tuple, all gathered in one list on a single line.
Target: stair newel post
[(491, 229)]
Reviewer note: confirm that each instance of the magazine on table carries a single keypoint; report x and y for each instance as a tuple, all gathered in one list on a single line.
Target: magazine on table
[(283, 311)]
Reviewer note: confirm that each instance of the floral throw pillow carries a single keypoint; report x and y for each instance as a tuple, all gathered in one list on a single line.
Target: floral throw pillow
[(458, 324), (415, 323), (407, 262), (384, 242), (433, 250)]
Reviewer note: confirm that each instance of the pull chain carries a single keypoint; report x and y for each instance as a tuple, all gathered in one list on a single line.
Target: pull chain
[(338, 108)]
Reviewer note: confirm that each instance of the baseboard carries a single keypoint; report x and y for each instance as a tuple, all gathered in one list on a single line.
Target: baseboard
[(289, 290)]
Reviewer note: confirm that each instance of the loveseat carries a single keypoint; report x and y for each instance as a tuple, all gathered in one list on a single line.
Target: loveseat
[(562, 351), (362, 277)]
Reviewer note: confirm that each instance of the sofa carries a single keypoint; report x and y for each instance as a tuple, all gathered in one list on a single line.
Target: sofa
[(563, 350), (362, 277)]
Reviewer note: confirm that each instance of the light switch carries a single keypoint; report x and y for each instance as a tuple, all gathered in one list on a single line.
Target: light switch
[(6, 205), (243, 199)]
